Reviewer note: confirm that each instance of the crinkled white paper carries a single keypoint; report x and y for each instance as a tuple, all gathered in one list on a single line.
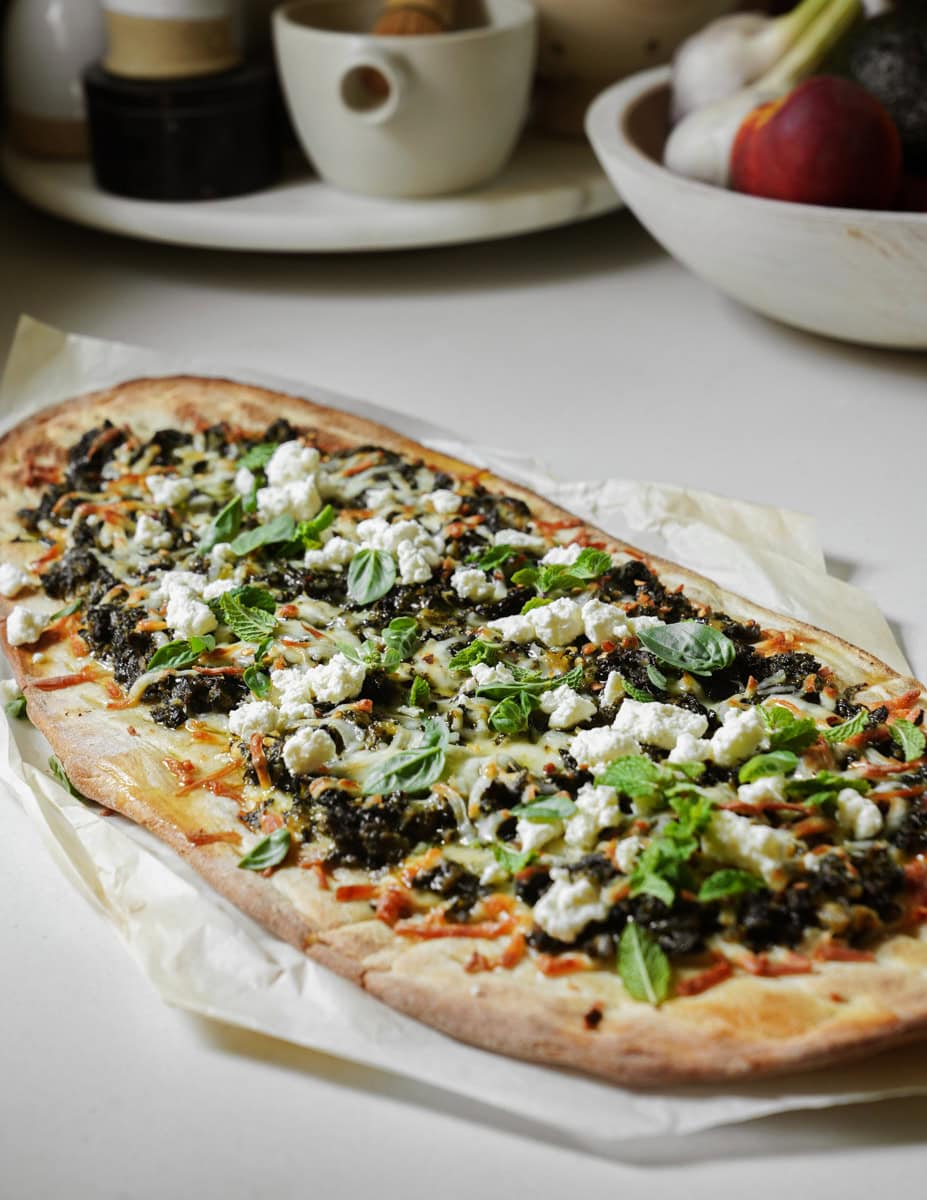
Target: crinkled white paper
[(204, 955)]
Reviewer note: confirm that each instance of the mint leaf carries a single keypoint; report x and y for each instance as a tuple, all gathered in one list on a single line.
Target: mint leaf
[(268, 853), (513, 714), (254, 597), (636, 693), (309, 533), (257, 681), (655, 885), (371, 575), (280, 529), (823, 788), (258, 456), (909, 737), (689, 646), (402, 636), (546, 811), (495, 556), (842, 733), (535, 602), (726, 883), (478, 651), (635, 776), (530, 684), (786, 731), (656, 677), (182, 653), (643, 967), (16, 708), (415, 770), (250, 623), (779, 762), (420, 692), (56, 767), (511, 860), (551, 578), (224, 527)]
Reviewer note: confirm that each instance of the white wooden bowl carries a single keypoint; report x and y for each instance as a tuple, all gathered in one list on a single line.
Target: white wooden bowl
[(853, 274)]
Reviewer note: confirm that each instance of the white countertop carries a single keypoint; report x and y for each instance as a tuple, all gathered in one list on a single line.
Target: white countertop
[(587, 345)]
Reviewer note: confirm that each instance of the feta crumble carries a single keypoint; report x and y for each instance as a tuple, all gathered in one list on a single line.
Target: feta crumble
[(739, 842), (596, 748), (604, 622), (658, 724), (741, 735), (335, 554), (24, 626), (168, 490), (568, 906), (13, 579), (564, 556), (151, 534), (291, 462), (596, 809), (307, 750), (470, 583), (254, 716), (442, 501), (566, 707), (858, 815)]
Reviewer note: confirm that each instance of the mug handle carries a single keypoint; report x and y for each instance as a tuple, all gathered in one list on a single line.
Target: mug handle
[(356, 95)]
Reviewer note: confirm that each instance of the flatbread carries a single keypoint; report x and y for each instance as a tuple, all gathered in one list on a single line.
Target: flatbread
[(744, 1026)]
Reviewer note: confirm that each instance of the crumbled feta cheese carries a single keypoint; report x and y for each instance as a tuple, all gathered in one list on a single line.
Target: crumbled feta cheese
[(298, 499), (212, 591), (658, 724), (564, 556), (627, 853), (442, 501), (168, 490), (335, 554), (244, 481), (596, 748), (740, 842), (337, 680), (380, 497), (219, 555), (486, 676), (557, 624), (24, 626), (254, 716), (644, 622), (470, 583), (294, 694), (377, 533), (769, 787), (690, 749), (741, 736), (493, 874), (13, 579), (568, 906), (566, 707), (518, 628), (307, 750), (604, 622), (187, 615), (291, 462), (9, 690), (613, 690), (522, 541), (596, 809), (532, 835), (151, 534), (858, 815), (414, 563)]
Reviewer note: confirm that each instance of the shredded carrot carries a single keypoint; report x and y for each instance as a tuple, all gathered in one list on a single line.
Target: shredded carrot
[(202, 733), (434, 925), (905, 701), (394, 904), (355, 891), (318, 869), (830, 951), (203, 838), (113, 690), (53, 552), (288, 610), (514, 951), (79, 647), (259, 759), (549, 527), (55, 682), (219, 670), (360, 467), (206, 779), (694, 985), (182, 769), (562, 964), (761, 964), (812, 826), (228, 790)]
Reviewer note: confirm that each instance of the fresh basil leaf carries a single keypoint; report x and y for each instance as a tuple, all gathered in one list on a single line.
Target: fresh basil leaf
[(280, 529), (656, 677), (249, 502), (779, 762), (420, 692), (415, 770), (909, 737), (257, 681), (849, 729), (249, 623), (655, 885), (478, 651), (644, 968), (511, 860), (495, 556), (68, 611), (402, 636), (786, 731), (824, 787), (224, 527), (258, 456), (182, 653), (371, 575), (535, 602), (530, 684), (689, 646), (636, 693), (546, 811), (269, 852), (16, 708), (56, 767), (729, 882), (309, 533), (551, 578), (513, 715)]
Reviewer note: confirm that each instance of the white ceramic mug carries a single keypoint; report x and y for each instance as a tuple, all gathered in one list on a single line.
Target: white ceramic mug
[(449, 109)]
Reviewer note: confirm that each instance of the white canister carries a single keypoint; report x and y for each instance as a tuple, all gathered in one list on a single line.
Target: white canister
[(47, 44), (449, 108), (170, 39)]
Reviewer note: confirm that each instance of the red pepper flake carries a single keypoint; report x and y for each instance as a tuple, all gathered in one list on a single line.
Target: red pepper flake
[(205, 780), (182, 769), (355, 891), (55, 683), (394, 904)]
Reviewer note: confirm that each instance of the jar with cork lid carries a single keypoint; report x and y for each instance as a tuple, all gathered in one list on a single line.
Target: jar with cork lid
[(170, 39)]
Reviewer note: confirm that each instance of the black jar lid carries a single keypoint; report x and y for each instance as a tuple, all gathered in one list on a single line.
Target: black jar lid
[(253, 83)]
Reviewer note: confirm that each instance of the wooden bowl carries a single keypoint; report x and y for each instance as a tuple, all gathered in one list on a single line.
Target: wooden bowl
[(852, 274)]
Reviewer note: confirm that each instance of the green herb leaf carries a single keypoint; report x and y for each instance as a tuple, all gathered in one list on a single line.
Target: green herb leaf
[(16, 708), (663, 866), (254, 597), (729, 882), (250, 623), (224, 527), (420, 692), (546, 811), (779, 762), (636, 693), (67, 611), (842, 733), (909, 737), (513, 715), (402, 636), (257, 681), (530, 684), (412, 771), (786, 731), (309, 533), (656, 677), (634, 776), (643, 967), (371, 575), (823, 788), (535, 602), (269, 852), (689, 646), (280, 529), (181, 653), (57, 769), (655, 885), (511, 860), (478, 651), (560, 577), (258, 456), (495, 556)]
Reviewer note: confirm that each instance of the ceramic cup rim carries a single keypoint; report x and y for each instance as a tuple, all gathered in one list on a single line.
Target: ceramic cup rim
[(516, 15)]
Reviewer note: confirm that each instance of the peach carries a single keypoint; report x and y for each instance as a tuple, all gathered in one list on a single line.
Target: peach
[(826, 142)]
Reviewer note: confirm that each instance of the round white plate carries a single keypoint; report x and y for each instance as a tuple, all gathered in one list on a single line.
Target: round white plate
[(549, 182)]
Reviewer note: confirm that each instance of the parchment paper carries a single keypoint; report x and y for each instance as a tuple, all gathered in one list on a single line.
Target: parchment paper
[(203, 955)]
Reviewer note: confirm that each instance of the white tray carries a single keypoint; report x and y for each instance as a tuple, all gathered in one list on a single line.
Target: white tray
[(549, 182)]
